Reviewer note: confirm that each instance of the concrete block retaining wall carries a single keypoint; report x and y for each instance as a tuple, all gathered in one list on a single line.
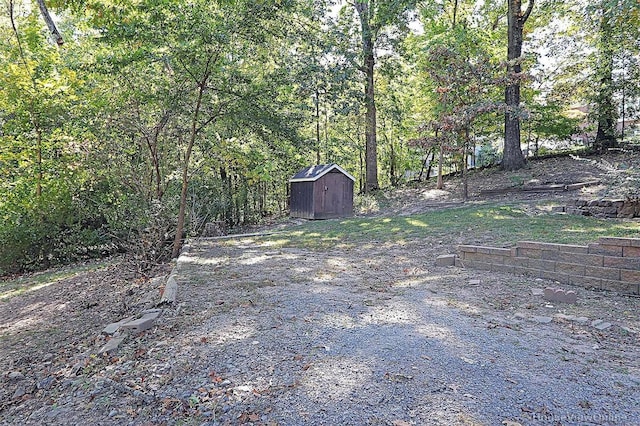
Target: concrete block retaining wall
[(610, 264)]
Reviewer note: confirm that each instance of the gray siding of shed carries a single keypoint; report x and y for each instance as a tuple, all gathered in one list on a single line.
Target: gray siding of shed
[(333, 196), (330, 196), (301, 201)]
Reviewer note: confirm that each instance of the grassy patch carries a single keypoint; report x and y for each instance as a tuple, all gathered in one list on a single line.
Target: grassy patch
[(489, 224)]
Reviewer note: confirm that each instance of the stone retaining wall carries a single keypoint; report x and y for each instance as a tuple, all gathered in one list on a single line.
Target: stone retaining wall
[(610, 264), (629, 208)]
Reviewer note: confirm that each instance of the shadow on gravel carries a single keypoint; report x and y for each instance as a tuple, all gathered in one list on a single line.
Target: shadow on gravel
[(370, 336)]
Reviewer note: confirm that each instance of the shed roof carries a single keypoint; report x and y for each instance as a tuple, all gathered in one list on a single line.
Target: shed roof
[(313, 173)]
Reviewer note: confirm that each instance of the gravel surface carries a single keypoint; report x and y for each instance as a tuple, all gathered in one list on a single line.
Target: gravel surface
[(314, 338), (277, 335), (374, 335)]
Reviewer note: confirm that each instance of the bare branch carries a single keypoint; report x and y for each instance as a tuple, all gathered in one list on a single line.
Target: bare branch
[(17, 34), (527, 12), (52, 26)]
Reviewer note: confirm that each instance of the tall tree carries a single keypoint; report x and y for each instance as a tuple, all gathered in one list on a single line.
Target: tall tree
[(311, 70), (368, 31), (464, 82), (512, 158), (616, 54), (208, 72), (374, 18), (606, 112), (46, 216)]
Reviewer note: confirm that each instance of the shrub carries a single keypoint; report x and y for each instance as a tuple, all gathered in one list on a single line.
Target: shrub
[(487, 156), (37, 232)]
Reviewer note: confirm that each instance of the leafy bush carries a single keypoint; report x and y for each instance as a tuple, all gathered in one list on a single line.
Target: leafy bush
[(488, 155), (36, 232)]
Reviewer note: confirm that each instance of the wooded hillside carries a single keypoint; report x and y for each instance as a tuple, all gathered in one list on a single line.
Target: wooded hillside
[(130, 126)]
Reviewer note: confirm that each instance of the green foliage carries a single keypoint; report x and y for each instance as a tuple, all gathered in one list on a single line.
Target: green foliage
[(51, 229), (230, 98), (487, 156), (612, 28), (549, 123), (463, 86), (43, 218)]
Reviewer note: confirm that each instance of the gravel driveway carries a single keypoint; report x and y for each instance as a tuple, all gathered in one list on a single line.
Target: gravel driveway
[(370, 335), (377, 335)]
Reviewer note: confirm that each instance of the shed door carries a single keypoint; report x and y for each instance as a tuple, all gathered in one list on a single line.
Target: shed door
[(333, 188)]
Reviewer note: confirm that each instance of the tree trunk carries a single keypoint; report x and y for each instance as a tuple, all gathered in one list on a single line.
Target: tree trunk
[(512, 158), (529, 130), (317, 126), (433, 156), (371, 146), (362, 174), (227, 213), (465, 175), (246, 217), (440, 181), (236, 205), (371, 155), (326, 134), (177, 242), (39, 173), (392, 166), (624, 100), (361, 159), (455, 13), (605, 108), (152, 146), (465, 180)]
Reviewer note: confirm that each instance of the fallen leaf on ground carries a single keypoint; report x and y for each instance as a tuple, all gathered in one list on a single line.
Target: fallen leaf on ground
[(248, 417), (214, 377)]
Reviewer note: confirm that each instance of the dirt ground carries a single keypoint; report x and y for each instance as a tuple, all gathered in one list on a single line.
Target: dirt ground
[(618, 175), (375, 335)]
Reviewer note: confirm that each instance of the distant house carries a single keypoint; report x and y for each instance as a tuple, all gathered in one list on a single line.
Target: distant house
[(625, 126), (323, 191)]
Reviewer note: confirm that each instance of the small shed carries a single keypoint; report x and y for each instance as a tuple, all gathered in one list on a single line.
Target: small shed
[(323, 191)]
